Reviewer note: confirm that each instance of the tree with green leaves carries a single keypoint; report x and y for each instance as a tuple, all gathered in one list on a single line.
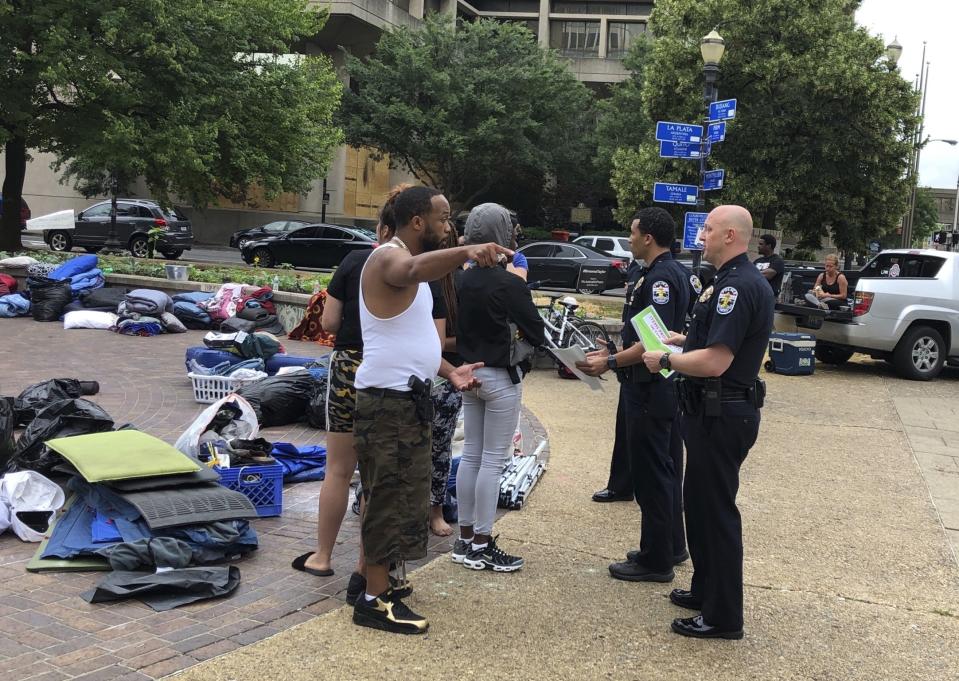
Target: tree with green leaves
[(469, 110), (823, 128), (925, 217), (198, 97)]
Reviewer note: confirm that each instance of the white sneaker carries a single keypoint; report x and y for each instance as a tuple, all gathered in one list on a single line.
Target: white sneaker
[(460, 549)]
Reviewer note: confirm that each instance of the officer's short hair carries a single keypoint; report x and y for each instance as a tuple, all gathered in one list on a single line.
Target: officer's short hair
[(412, 202), (769, 239), (658, 223)]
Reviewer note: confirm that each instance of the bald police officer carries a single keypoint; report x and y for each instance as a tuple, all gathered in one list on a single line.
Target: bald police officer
[(720, 398), (650, 400)]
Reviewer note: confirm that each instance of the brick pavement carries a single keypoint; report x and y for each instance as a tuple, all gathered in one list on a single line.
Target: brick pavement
[(47, 632)]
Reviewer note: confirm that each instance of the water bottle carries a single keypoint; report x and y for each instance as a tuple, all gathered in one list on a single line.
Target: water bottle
[(276, 282), (316, 287)]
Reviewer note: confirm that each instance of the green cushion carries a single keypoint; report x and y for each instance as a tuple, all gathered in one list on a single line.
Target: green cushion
[(121, 455)]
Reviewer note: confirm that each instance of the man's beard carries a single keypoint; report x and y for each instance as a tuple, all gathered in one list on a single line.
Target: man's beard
[(432, 242)]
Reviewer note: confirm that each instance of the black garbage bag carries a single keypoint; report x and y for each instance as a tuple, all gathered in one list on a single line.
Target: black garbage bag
[(39, 395), (279, 400), (48, 297), (8, 421), (316, 409), (103, 298), (60, 419)]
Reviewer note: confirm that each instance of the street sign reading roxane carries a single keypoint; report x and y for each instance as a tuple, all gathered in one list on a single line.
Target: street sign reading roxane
[(722, 110), (681, 150), (678, 132), (713, 179), (692, 231), (665, 192), (716, 132)]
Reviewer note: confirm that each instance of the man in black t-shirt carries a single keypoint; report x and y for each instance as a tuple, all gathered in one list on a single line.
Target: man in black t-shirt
[(769, 264)]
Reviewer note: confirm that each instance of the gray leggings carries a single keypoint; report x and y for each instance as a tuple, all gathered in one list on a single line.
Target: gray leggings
[(489, 415)]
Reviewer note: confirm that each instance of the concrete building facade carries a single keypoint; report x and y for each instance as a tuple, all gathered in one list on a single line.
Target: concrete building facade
[(592, 34)]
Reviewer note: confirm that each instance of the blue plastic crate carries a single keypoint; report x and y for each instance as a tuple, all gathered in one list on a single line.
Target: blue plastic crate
[(262, 485)]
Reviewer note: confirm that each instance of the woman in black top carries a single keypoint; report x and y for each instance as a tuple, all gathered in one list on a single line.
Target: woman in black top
[(490, 300), (832, 288)]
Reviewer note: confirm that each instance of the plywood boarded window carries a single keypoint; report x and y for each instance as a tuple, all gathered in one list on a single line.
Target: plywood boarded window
[(365, 183)]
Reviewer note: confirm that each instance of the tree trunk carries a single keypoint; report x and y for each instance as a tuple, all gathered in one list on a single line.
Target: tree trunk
[(769, 218), (16, 171)]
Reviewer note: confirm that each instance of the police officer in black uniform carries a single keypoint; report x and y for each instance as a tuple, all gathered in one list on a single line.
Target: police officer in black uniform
[(619, 487), (650, 398), (720, 398)]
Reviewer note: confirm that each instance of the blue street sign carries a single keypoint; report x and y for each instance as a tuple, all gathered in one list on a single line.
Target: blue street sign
[(875, 246), (681, 150), (723, 110), (678, 132), (716, 132), (713, 179), (692, 228), (664, 192)]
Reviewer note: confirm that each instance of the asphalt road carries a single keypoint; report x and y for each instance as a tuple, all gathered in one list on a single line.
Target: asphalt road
[(230, 256)]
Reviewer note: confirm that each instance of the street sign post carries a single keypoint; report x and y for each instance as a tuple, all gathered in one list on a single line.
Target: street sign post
[(723, 110), (713, 179), (665, 192), (678, 132), (716, 132), (692, 229), (681, 150)]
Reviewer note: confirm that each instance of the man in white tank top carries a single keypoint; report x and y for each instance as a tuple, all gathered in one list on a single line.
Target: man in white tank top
[(401, 354)]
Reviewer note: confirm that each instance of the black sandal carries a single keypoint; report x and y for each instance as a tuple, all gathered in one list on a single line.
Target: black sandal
[(299, 563)]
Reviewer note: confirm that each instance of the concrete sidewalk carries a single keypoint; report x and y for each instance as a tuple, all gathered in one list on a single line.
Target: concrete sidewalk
[(849, 573)]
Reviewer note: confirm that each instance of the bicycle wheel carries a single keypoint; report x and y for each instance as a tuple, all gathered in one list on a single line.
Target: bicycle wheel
[(587, 335)]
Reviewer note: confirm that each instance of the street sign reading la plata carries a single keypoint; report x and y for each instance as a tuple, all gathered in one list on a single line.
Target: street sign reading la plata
[(688, 133)]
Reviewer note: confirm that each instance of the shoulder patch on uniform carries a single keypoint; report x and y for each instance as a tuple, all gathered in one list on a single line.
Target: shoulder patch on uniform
[(661, 292), (726, 300), (696, 284)]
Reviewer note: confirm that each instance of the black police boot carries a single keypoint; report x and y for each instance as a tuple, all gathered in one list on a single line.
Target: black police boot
[(606, 495), (696, 627), (678, 559), (685, 599), (628, 571)]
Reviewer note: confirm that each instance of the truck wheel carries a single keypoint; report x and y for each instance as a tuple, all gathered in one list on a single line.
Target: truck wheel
[(139, 247), (832, 354), (60, 241), (920, 354)]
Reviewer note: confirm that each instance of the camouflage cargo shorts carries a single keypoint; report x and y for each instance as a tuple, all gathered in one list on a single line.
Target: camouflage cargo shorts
[(393, 450), (341, 390)]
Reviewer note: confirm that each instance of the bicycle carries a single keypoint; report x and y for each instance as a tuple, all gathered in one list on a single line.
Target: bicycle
[(564, 329)]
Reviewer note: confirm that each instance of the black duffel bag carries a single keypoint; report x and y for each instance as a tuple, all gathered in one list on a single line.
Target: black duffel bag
[(48, 297)]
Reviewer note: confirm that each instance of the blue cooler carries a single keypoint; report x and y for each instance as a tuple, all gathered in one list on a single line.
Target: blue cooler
[(792, 354)]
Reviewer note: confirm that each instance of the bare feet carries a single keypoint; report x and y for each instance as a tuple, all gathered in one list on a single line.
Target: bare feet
[(438, 525), (314, 562)]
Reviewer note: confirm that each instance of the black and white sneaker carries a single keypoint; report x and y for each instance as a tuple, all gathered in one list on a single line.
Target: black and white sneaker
[(460, 548), (490, 557), (357, 586)]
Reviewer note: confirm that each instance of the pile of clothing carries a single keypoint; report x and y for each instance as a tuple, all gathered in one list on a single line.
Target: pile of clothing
[(146, 312), (50, 288), (140, 503)]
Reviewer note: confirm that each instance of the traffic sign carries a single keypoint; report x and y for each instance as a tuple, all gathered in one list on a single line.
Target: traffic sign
[(875, 246), (665, 192), (681, 150), (692, 231), (723, 110), (678, 132), (716, 132), (713, 179)]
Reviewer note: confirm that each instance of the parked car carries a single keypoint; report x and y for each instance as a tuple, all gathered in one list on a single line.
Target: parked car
[(24, 212), (566, 265), (616, 246), (903, 307), (135, 219), (244, 236), (318, 245)]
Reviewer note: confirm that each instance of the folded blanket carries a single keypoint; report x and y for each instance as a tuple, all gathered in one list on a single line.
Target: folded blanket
[(145, 326), (14, 305), (192, 315), (148, 301), (77, 265), (192, 297), (84, 281)]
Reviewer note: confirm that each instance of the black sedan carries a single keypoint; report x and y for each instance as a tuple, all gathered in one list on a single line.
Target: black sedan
[(565, 265), (244, 236), (310, 246)]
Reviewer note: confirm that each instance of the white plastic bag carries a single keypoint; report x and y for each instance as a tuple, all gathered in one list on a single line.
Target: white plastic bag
[(188, 443), (26, 491)]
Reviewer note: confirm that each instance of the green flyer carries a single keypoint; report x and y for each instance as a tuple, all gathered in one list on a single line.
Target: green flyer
[(653, 334)]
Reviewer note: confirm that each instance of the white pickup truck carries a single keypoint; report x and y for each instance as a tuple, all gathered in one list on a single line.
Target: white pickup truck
[(904, 309)]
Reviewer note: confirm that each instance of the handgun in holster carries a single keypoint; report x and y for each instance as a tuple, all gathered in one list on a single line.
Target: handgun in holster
[(689, 396), (422, 395), (713, 396)]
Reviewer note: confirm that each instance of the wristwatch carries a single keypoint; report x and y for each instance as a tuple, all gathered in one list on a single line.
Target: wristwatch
[(611, 363), (664, 361)]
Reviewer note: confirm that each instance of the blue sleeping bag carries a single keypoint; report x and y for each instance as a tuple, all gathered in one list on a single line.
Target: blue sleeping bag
[(74, 266), (206, 357)]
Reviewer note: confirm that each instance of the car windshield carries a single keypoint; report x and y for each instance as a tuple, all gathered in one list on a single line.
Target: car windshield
[(277, 227)]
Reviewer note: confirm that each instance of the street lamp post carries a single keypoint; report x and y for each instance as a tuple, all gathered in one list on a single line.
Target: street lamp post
[(112, 244), (712, 46)]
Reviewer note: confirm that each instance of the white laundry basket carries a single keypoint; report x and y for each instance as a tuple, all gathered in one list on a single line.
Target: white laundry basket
[(209, 389)]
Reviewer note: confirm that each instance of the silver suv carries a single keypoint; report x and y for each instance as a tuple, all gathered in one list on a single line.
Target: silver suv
[(905, 310)]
